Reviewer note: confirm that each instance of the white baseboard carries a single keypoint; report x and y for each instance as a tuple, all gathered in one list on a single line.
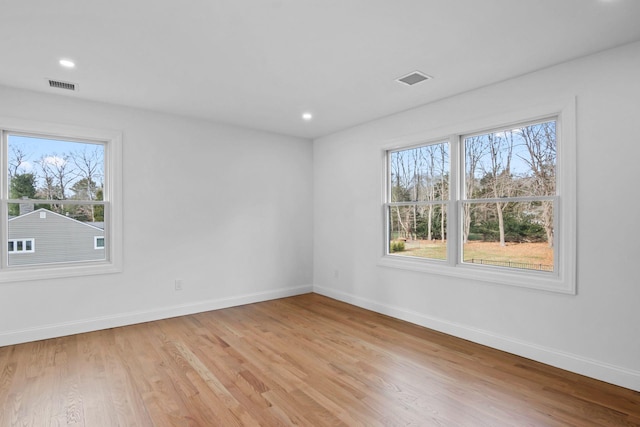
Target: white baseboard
[(124, 319), (570, 362)]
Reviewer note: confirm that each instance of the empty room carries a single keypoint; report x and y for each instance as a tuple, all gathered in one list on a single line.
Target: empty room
[(314, 213)]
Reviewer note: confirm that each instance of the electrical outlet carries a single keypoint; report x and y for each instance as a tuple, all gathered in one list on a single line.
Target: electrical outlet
[(178, 284)]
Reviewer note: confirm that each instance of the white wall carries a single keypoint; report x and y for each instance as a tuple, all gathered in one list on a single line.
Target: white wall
[(597, 331), (227, 210)]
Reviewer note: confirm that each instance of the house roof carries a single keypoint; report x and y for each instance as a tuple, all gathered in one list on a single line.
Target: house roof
[(94, 225)]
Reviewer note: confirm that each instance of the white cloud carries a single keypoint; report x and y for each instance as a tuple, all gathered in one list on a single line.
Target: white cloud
[(55, 161), (26, 167)]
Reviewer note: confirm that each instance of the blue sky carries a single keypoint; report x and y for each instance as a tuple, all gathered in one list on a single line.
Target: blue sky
[(36, 148), (52, 151)]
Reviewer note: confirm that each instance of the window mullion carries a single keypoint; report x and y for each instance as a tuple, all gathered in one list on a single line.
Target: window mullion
[(420, 203), (454, 194), (511, 199)]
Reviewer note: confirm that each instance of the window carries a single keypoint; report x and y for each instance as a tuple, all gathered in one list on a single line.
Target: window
[(61, 185), (509, 197), (21, 245), (487, 204), (419, 195)]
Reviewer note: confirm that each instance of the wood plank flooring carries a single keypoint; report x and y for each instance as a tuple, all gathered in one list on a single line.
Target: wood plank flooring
[(306, 360)]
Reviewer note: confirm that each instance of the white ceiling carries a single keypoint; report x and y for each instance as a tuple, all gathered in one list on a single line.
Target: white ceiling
[(261, 63)]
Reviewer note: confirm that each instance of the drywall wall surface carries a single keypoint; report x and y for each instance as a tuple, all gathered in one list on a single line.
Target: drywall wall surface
[(595, 332), (226, 210)]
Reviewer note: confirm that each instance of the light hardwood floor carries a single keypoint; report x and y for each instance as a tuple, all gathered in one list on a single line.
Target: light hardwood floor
[(306, 360)]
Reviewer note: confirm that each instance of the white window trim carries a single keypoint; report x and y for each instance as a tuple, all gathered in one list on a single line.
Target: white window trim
[(112, 194), (561, 281), (33, 245)]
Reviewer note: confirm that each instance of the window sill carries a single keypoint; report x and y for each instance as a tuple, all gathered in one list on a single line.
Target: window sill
[(550, 282), (43, 272)]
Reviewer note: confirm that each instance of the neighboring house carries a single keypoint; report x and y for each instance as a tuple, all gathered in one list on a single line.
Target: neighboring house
[(43, 237)]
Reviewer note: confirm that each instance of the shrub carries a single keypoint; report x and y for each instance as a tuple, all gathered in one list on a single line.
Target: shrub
[(397, 246)]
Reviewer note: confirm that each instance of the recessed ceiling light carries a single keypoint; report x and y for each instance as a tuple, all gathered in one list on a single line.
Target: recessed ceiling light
[(67, 63), (307, 116)]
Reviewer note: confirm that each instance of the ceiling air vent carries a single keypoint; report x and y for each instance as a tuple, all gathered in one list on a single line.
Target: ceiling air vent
[(62, 85), (413, 78)]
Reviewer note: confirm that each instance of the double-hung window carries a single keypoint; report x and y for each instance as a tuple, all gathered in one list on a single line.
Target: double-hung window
[(509, 197), (418, 201), (60, 187), (496, 204)]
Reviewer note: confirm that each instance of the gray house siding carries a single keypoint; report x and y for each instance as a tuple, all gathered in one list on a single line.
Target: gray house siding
[(56, 239)]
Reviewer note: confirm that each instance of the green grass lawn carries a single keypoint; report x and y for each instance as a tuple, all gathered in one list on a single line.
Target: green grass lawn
[(536, 254), (435, 249)]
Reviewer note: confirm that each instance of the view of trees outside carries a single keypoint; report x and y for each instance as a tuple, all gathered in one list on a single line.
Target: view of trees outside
[(60, 173), (507, 215), (417, 215), (510, 184)]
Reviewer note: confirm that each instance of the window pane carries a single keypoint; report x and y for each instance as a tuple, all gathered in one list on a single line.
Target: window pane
[(511, 163), (515, 234), (420, 174), (43, 168), (63, 232), (11, 246), (418, 231)]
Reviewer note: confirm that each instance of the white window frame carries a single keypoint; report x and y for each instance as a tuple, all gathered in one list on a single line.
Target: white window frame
[(563, 279), (24, 241), (112, 200)]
